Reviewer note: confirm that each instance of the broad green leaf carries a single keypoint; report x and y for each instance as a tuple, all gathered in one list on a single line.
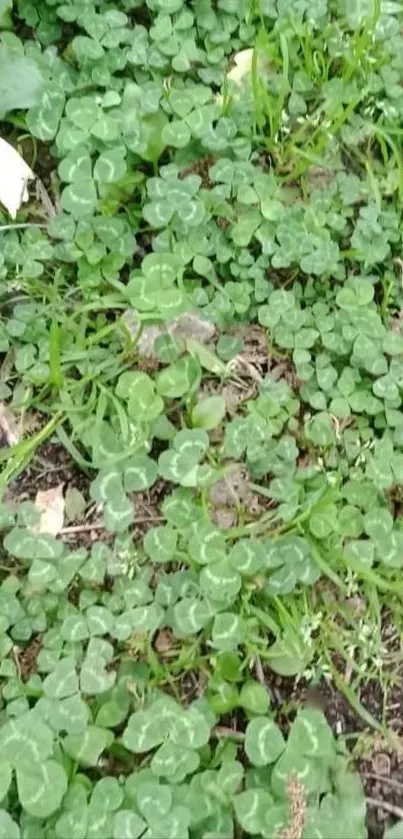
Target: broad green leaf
[(44, 118), (110, 166), (394, 832), (176, 133), (76, 165), (219, 581), (323, 521), (73, 823), (147, 618), (247, 556), (320, 430), (63, 681), (105, 128), (191, 615), (74, 628), (190, 730), (107, 794), (69, 715), (41, 787), (263, 741), (83, 111), (79, 198), (154, 800), (100, 823), (23, 544), (140, 473), (289, 655), (160, 543), (378, 523), (118, 513), (207, 545), (128, 825), (100, 621), (251, 808), (209, 412), (143, 732), (227, 632), (5, 779), (161, 268), (20, 81), (87, 747), (94, 677), (114, 711), (208, 360), (311, 735), (26, 741), (8, 828), (178, 379), (390, 549), (174, 762), (309, 772), (172, 826), (254, 698), (144, 405)]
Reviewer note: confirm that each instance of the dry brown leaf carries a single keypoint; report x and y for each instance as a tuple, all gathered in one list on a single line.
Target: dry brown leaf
[(186, 325), (50, 504), (164, 641), (14, 176), (9, 435)]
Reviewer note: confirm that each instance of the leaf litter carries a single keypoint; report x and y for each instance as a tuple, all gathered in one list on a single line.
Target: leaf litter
[(50, 505)]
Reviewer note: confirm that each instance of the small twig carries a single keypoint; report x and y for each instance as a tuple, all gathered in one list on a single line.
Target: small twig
[(4, 227), (384, 805), (16, 661), (240, 361), (383, 779), (97, 525), (45, 199), (225, 731), (81, 528), (259, 671)]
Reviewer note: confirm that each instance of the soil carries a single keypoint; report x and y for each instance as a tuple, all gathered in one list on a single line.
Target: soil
[(26, 657), (200, 167), (51, 465)]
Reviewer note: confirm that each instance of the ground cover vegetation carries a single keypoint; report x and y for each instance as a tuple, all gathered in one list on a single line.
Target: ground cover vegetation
[(202, 373)]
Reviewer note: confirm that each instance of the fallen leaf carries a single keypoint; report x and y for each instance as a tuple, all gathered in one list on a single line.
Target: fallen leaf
[(14, 176), (223, 518), (50, 504), (8, 427), (242, 65), (186, 325), (75, 503), (164, 641), (381, 763)]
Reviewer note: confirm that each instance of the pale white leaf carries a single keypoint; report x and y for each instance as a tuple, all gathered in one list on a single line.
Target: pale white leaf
[(14, 176), (187, 325), (8, 426), (50, 504), (242, 66)]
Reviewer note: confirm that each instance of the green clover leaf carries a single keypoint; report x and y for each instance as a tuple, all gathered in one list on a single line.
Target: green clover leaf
[(264, 742)]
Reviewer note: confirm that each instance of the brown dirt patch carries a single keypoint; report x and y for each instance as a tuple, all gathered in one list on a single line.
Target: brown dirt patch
[(200, 167), (51, 465), (27, 656)]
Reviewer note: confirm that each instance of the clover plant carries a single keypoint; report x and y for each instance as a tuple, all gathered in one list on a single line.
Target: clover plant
[(201, 337)]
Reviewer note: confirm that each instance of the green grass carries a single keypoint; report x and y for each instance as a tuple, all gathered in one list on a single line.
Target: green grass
[(261, 192)]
